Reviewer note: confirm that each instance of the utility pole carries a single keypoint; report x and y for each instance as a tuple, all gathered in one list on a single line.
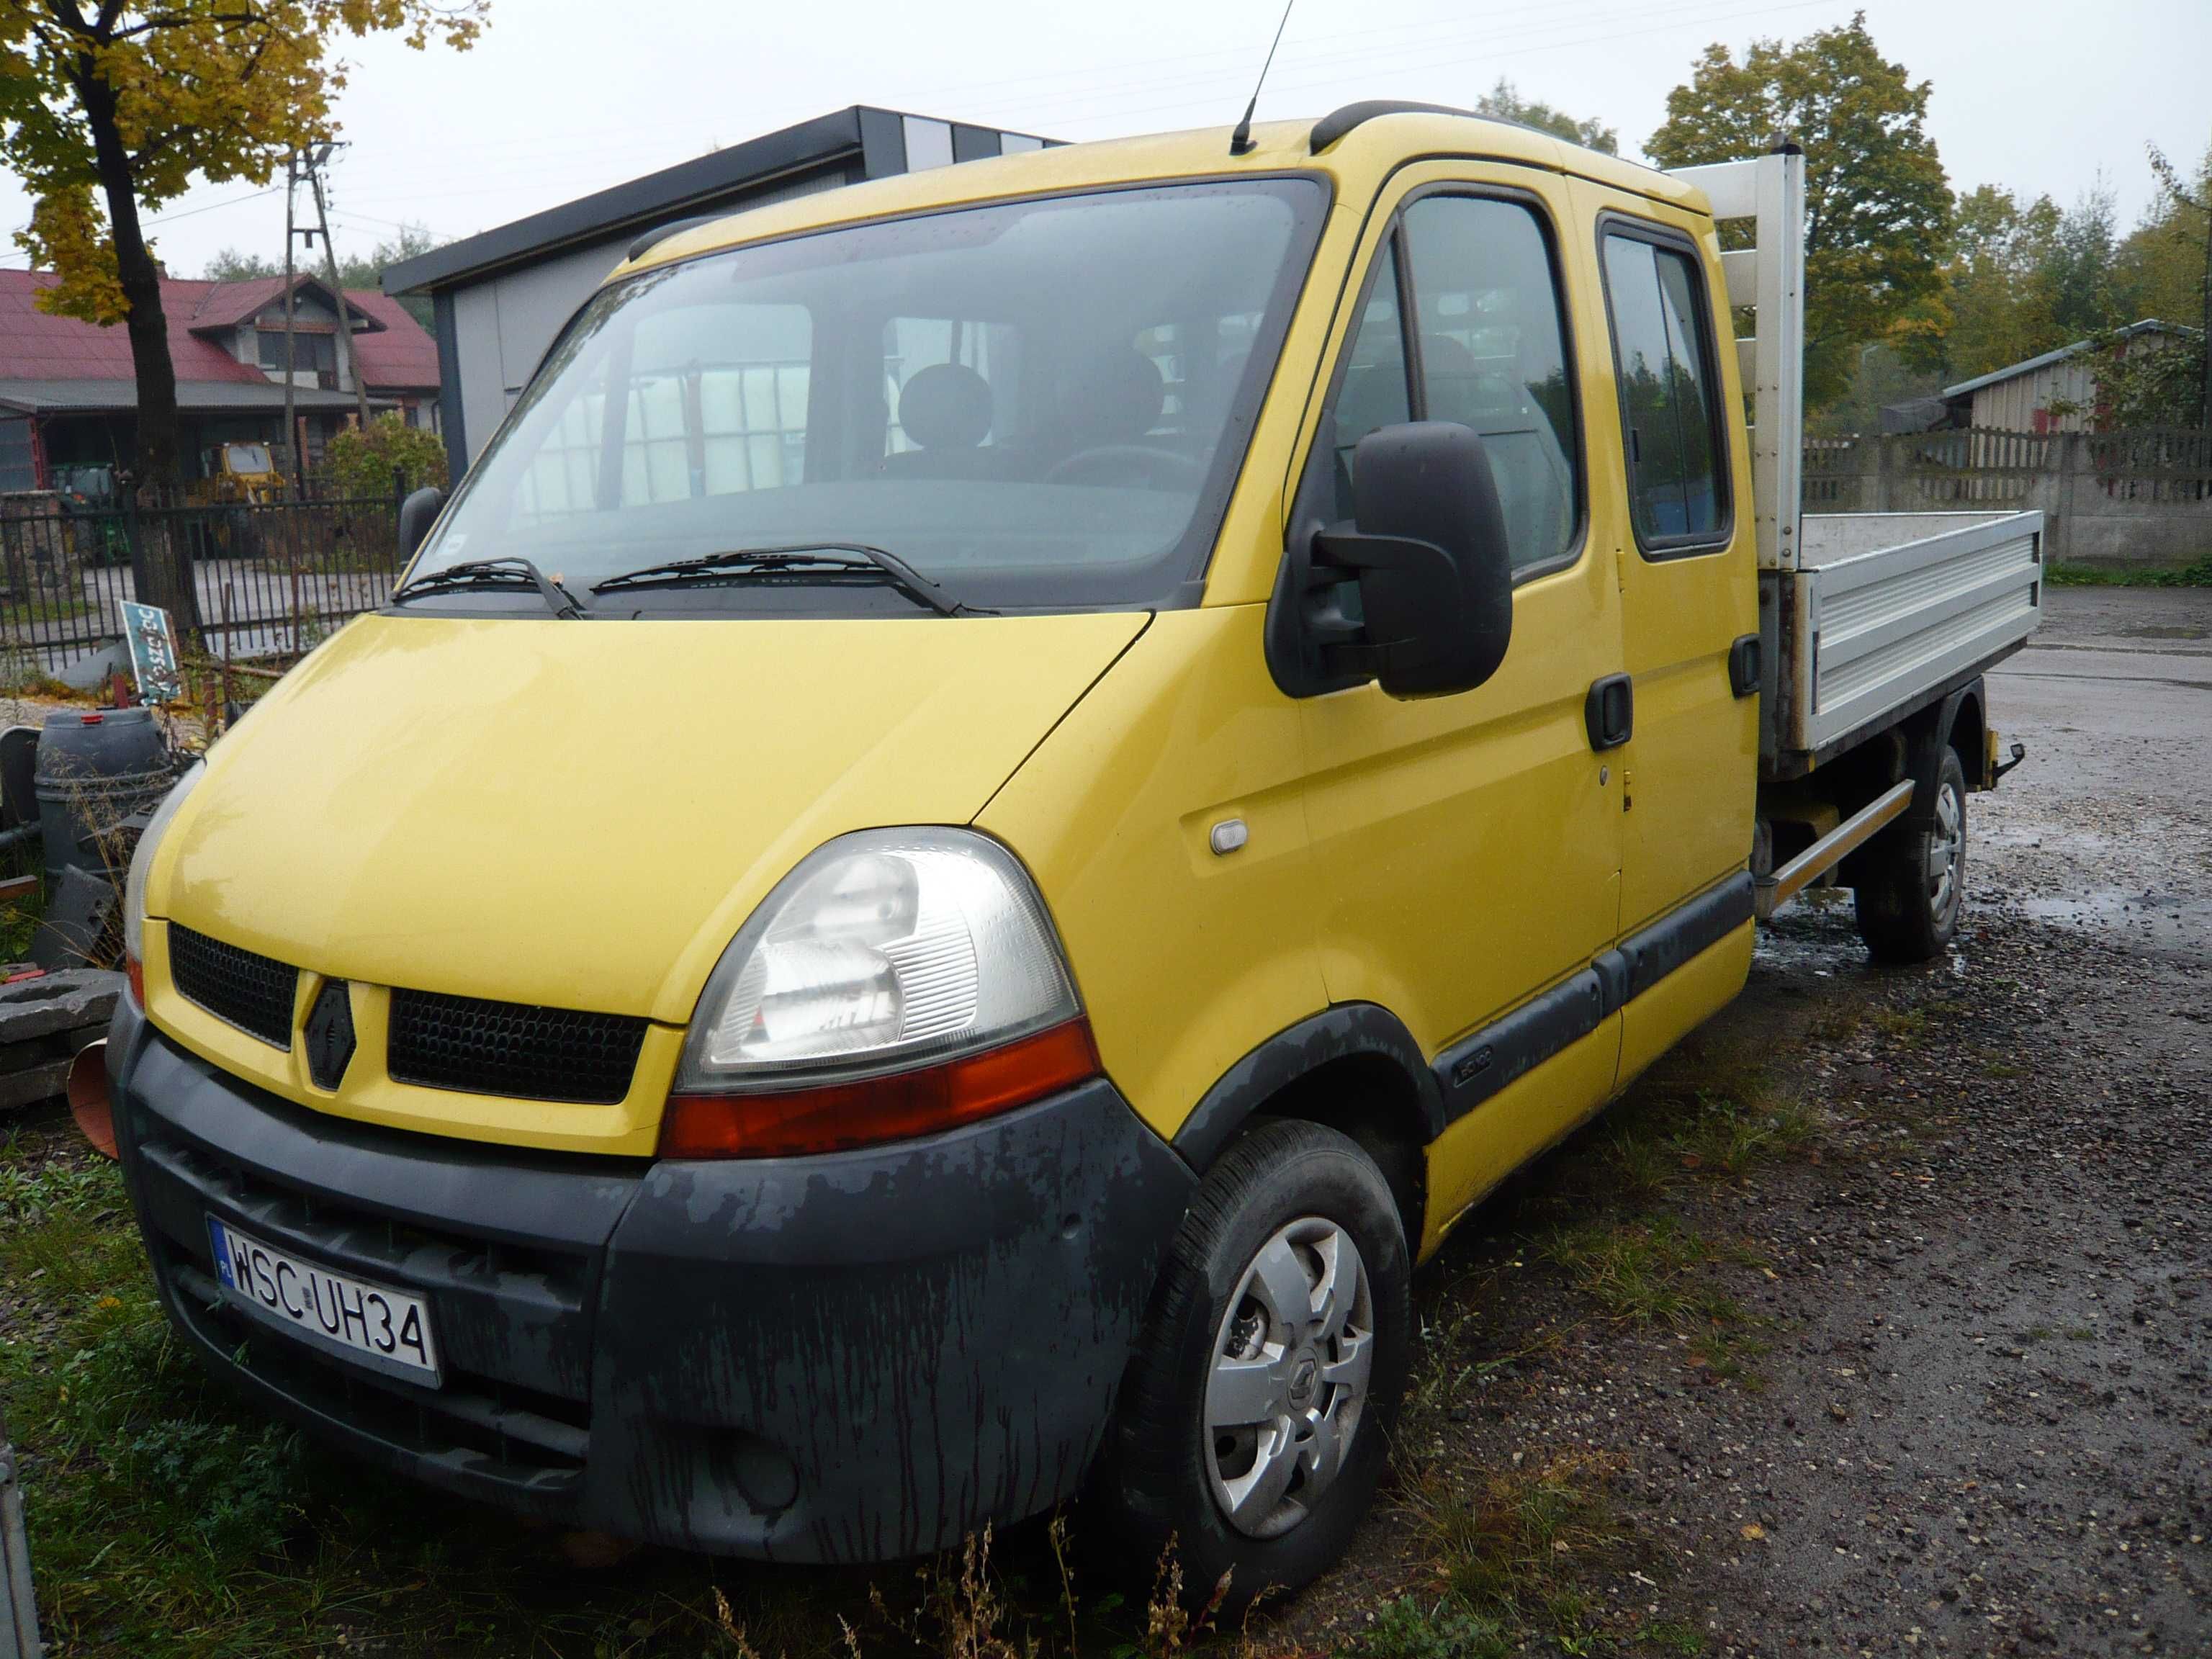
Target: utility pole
[(291, 418), (316, 162)]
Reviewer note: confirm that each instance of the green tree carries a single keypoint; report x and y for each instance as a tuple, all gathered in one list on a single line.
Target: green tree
[(1877, 206), (1503, 102), (109, 111), (362, 463), (2161, 263), (355, 270)]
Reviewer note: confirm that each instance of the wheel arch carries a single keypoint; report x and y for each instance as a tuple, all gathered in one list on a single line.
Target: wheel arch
[(1957, 718), (1352, 1068)]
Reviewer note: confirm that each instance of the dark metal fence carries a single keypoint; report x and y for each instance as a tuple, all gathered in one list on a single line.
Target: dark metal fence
[(267, 578)]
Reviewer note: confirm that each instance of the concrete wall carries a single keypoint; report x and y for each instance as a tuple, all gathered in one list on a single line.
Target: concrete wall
[(2115, 499)]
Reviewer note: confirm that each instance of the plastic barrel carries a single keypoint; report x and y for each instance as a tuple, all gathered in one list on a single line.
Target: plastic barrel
[(96, 768)]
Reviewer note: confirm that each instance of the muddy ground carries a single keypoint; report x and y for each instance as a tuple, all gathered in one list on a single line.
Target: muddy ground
[(1983, 1420)]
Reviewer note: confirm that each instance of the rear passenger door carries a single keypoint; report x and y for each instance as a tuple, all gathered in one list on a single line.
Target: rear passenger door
[(1671, 502), (1468, 847)]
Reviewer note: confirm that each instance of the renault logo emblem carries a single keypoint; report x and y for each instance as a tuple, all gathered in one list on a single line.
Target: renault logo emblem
[(330, 1034)]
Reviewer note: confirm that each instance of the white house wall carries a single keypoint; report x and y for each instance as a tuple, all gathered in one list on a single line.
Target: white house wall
[(503, 324)]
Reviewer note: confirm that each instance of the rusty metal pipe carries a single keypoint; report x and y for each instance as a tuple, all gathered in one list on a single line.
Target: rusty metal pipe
[(88, 1097)]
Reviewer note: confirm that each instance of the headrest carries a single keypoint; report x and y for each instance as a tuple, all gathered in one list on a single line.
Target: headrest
[(1443, 355), (1126, 394), (946, 406)]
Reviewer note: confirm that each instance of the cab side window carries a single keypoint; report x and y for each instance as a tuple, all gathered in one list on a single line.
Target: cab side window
[(1669, 393), (1489, 352), (1374, 393), (1493, 357)]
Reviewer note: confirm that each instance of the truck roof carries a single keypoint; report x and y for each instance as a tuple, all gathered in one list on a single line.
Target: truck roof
[(1364, 144)]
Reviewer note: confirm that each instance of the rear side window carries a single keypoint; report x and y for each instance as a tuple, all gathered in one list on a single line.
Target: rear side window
[(1669, 393)]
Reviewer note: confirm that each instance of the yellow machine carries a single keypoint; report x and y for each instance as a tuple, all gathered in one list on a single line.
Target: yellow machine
[(1005, 792), (242, 472)]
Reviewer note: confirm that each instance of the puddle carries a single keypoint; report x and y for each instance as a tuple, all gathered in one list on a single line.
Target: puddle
[(2139, 916)]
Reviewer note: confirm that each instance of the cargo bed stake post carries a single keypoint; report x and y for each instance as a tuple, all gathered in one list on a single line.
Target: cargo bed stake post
[(1768, 278)]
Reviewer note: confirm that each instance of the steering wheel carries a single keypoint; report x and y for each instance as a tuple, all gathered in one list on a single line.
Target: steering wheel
[(1167, 469)]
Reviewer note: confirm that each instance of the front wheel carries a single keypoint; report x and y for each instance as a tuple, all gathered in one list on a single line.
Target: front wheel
[(1254, 1419), (1909, 895)]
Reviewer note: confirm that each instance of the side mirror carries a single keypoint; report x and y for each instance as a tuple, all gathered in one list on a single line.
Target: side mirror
[(1424, 565), (416, 514)]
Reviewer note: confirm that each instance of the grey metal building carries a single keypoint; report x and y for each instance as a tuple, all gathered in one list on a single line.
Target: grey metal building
[(502, 297)]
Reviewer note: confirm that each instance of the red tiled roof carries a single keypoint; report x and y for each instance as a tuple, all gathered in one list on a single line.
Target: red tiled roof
[(35, 346)]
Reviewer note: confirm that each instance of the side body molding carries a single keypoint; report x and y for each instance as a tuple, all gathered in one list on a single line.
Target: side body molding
[(1479, 1066)]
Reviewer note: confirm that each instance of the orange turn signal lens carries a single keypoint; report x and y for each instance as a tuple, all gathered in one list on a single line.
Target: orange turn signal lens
[(897, 1107), (135, 971)]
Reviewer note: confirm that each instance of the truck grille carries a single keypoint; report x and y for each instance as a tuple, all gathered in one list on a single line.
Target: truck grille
[(254, 993), (511, 1048)]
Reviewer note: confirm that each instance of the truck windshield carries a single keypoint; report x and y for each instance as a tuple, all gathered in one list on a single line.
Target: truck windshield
[(1037, 404)]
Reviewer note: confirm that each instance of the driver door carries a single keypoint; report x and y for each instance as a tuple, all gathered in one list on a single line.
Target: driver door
[(1469, 846)]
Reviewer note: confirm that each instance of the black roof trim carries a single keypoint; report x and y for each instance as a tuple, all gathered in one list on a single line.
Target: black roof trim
[(659, 234), (1338, 122), (1333, 125), (819, 142)]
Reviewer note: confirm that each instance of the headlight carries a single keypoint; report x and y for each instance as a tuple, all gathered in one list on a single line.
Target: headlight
[(141, 860), (897, 980)]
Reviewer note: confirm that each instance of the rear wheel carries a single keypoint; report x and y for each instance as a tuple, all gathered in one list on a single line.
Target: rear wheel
[(1913, 887), (1253, 1420)]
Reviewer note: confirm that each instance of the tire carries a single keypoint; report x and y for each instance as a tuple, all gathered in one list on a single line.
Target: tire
[(1288, 1197), (1909, 895)]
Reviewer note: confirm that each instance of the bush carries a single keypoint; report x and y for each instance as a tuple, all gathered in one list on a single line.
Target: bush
[(362, 463)]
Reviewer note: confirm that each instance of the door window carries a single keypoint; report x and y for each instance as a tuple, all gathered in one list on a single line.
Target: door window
[(1492, 355), (1374, 393), (1664, 357)]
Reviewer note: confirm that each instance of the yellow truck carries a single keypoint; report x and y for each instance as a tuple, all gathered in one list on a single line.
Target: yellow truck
[(1003, 795)]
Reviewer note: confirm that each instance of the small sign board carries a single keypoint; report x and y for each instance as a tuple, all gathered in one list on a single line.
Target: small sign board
[(152, 651)]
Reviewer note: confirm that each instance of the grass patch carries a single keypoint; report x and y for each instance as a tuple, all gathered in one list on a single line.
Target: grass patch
[(1645, 1271), (1407, 1629), (2197, 573), (1517, 1549), (1906, 1026)]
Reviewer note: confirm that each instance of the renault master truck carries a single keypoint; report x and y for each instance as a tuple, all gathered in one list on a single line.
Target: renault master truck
[(1003, 794)]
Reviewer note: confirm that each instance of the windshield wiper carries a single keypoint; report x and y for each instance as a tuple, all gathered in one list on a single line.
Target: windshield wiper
[(500, 573), (798, 560)]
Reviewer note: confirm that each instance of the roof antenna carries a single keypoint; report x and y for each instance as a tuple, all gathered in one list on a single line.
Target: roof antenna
[(1240, 141)]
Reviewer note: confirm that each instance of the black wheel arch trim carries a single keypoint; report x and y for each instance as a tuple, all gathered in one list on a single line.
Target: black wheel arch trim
[(1341, 1030), (1926, 740)]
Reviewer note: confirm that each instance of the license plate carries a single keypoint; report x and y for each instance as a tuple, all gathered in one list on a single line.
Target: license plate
[(372, 1325)]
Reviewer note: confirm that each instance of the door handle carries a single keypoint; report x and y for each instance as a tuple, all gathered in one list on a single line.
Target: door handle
[(1609, 712)]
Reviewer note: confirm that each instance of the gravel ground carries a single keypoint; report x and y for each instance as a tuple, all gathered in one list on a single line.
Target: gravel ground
[(1984, 1422)]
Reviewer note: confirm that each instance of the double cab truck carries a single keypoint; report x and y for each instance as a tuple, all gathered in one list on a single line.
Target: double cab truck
[(1003, 794)]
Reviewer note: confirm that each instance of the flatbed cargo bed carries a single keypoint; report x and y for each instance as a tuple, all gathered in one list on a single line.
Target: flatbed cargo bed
[(1885, 612)]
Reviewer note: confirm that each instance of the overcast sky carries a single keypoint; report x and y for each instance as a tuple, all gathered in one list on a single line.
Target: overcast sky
[(562, 97)]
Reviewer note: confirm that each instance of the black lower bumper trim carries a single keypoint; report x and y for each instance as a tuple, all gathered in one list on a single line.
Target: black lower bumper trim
[(856, 1357)]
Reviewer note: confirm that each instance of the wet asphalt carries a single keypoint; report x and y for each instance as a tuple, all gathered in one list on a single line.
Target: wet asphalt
[(1983, 1422)]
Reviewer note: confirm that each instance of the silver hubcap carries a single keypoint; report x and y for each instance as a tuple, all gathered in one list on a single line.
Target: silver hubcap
[(1290, 1363), (1947, 856)]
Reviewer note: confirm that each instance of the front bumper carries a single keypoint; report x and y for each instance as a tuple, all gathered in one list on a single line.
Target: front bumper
[(856, 1357)]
